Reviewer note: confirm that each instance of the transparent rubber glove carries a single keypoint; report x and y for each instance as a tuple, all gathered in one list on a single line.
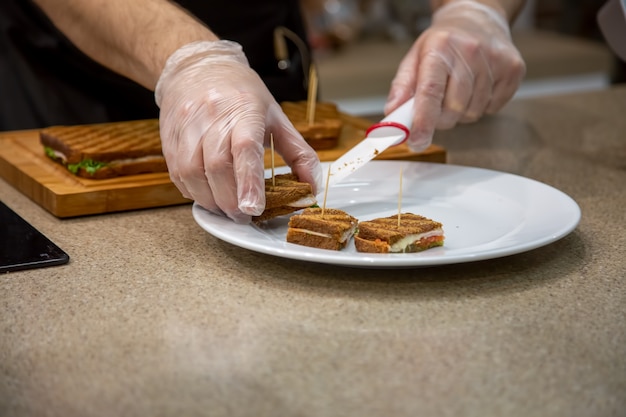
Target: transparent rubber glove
[(216, 117), (463, 66)]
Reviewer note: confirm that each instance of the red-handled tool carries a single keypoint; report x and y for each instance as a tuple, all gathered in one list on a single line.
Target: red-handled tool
[(392, 130)]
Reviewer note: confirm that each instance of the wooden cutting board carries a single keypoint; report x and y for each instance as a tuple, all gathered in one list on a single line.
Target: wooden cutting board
[(24, 165)]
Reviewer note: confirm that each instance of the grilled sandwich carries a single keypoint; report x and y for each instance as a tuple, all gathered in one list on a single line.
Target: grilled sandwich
[(285, 194), (106, 150), (383, 235), (325, 130), (332, 230)]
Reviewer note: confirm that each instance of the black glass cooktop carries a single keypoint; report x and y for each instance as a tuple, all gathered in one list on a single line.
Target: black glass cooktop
[(24, 247)]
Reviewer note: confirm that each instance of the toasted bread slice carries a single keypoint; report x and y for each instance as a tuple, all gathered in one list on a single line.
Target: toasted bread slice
[(415, 233), (285, 194), (106, 150), (332, 230), (325, 130)]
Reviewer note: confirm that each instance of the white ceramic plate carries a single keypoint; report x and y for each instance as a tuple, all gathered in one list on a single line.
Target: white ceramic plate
[(485, 214)]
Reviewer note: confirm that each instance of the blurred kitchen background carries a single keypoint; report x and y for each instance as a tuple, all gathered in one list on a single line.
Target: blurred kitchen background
[(359, 43)]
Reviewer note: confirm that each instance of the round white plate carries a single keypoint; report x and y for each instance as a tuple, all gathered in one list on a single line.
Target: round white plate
[(485, 214)]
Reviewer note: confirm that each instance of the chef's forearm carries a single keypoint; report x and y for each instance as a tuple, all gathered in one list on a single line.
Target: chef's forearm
[(508, 8), (131, 37)]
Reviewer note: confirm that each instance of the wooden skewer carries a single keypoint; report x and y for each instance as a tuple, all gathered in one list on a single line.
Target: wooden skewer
[(312, 95), (326, 191), (272, 155), (400, 200)]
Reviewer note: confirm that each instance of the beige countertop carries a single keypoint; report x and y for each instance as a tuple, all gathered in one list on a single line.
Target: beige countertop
[(155, 317)]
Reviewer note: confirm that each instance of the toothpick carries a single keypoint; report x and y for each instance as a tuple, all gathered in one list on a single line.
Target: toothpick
[(272, 155), (326, 191), (400, 199), (312, 95)]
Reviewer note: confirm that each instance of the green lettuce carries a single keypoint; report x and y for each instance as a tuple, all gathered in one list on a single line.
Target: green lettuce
[(88, 165)]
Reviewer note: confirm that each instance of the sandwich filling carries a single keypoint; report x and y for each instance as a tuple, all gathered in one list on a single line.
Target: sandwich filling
[(54, 154), (306, 201), (91, 165), (419, 239), (342, 239)]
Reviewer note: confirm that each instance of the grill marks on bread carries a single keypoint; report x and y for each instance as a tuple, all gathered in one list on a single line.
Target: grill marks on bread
[(285, 189), (123, 148), (379, 235), (331, 231), (105, 142), (335, 228), (286, 194)]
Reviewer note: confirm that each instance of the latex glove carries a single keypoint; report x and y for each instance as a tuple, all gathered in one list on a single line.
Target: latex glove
[(216, 118), (462, 67)]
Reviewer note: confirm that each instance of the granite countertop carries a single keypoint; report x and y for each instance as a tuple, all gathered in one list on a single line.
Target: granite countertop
[(153, 316)]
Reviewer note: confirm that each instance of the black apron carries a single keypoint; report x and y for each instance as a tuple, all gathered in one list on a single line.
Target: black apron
[(45, 80)]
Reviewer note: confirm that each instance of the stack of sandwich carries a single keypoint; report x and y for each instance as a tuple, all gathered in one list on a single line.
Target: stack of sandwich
[(413, 233), (285, 194), (325, 130), (333, 229), (322, 228), (106, 150)]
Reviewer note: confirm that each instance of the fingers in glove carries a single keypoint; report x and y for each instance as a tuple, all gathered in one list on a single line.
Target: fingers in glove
[(482, 95), (178, 156), (296, 152), (189, 174), (248, 159), (172, 168), (429, 95), (217, 177), (507, 81), (459, 58), (481, 89)]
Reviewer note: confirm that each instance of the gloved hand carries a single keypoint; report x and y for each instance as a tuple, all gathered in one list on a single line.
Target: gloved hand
[(463, 66), (216, 118)]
